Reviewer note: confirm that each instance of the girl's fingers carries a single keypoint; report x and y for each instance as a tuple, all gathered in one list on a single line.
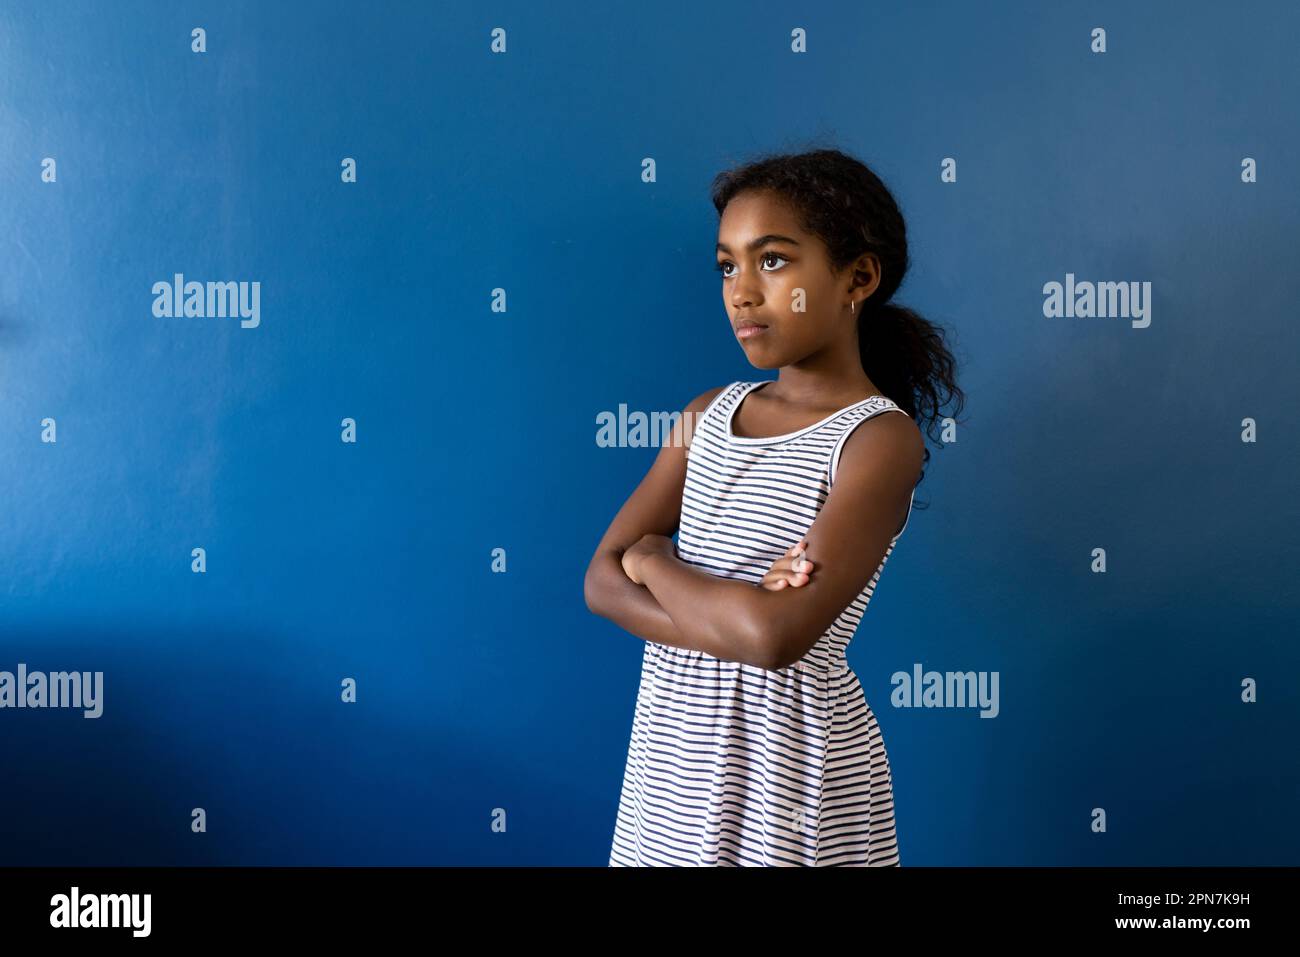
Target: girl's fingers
[(775, 581), (791, 569)]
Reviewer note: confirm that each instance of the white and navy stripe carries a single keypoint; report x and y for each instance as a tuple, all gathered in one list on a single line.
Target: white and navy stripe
[(731, 764)]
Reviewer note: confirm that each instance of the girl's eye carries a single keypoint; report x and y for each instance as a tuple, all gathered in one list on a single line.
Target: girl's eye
[(722, 266)]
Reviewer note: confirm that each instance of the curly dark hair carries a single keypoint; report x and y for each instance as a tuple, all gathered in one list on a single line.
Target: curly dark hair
[(841, 201)]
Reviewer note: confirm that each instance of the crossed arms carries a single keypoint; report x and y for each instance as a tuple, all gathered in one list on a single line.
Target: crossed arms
[(682, 606)]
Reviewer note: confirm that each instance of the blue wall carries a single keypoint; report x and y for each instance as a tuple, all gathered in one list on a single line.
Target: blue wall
[(475, 429)]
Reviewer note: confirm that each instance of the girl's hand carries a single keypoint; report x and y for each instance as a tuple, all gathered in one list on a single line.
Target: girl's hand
[(791, 569), (646, 545)]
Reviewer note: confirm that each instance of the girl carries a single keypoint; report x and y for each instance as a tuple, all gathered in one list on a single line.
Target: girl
[(752, 742)]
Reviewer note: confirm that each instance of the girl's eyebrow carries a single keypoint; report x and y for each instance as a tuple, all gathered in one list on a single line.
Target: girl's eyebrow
[(762, 241)]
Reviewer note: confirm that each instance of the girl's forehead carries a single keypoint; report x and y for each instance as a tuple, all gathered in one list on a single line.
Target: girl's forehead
[(753, 215), (755, 203)]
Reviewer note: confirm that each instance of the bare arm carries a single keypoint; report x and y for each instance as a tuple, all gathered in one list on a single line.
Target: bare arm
[(682, 606), (878, 470), (879, 465), (719, 616), (654, 508)]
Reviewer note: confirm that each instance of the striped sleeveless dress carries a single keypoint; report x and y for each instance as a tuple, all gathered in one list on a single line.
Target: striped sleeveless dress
[(730, 764)]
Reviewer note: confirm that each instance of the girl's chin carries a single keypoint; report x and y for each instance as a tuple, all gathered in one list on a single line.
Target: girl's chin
[(760, 361)]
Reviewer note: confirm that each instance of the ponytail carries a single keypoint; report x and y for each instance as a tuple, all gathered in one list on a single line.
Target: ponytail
[(905, 355)]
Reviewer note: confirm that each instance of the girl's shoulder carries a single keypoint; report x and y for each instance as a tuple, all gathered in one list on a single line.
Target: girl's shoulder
[(705, 399), (699, 407)]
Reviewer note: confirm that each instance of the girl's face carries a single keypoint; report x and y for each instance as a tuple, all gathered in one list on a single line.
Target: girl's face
[(775, 274)]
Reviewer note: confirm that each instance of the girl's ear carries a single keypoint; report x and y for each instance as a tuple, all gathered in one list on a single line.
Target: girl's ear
[(866, 275)]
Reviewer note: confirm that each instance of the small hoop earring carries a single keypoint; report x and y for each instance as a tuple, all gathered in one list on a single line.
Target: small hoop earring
[(850, 305)]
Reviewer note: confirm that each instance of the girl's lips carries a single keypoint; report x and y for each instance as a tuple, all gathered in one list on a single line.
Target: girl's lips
[(748, 332)]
